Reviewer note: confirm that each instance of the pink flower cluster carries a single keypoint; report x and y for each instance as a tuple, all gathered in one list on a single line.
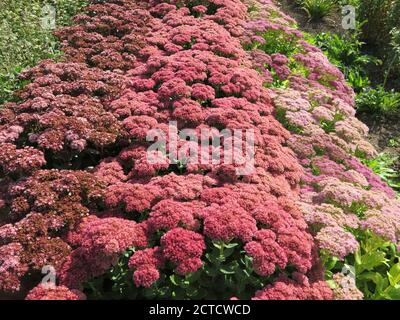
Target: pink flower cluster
[(11, 267), (146, 263), (131, 67), (298, 288), (63, 111), (39, 210), (21, 161), (338, 192), (41, 292), (184, 248), (99, 243)]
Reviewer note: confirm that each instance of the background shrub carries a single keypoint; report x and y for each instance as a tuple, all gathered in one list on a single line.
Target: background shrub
[(376, 13), (24, 41), (345, 52), (378, 101)]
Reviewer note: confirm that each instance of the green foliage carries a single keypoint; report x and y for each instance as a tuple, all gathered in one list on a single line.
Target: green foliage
[(381, 27), (344, 51), (394, 26), (329, 125), (376, 13), (227, 272), (23, 39), (394, 53), (357, 79), (378, 101), (317, 9), (394, 142), (383, 165), (277, 41), (353, 3), (376, 267)]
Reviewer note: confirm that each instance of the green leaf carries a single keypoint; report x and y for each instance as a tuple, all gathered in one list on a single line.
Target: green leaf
[(194, 276), (228, 252), (357, 257), (332, 284), (231, 245), (371, 260), (218, 244), (331, 264), (174, 279), (230, 269), (376, 278), (392, 293), (149, 293), (394, 274)]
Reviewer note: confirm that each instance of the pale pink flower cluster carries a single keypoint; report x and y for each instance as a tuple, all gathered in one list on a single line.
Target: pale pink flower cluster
[(338, 193)]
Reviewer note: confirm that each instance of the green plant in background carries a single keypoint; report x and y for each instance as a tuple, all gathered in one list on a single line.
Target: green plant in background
[(381, 27), (394, 54), (383, 166), (394, 26), (354, 3), (345, 52), (394, 142), (318, 9), (378, 101), (376, 13), (23, 39)]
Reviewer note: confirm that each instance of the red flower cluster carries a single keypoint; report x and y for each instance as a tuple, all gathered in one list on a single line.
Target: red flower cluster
[(146, 264), (297, 289), (184, 248), (40, 209), (64, 110), (132, 67), (21, 161), (99, 243), (41, 292)]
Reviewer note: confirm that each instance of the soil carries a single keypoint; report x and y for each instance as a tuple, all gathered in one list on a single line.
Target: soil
[(331, 23), (384, 134)]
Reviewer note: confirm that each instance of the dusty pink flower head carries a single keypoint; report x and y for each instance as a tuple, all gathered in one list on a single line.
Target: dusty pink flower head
[(168, 214), (11, 267), (337, 241), (42, 292), (108, 236), (146, 264), (183, 248), (227, 222), (266, 253), (200, 9), (287, 289)]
